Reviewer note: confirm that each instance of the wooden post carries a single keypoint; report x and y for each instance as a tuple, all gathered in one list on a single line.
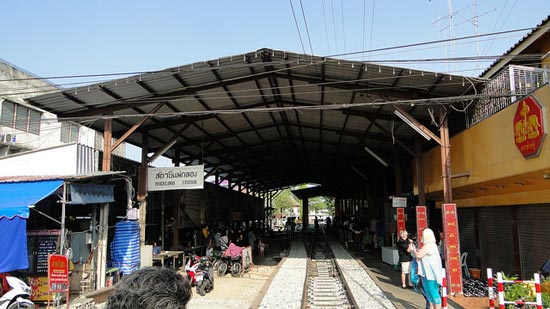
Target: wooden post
[(445, 157)]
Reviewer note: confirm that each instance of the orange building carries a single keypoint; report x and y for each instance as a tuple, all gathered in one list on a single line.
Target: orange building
[(502, 163)]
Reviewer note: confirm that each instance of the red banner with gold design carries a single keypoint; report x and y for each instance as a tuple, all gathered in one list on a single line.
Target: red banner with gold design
[(452, 245), (400, 219), (421, 222)]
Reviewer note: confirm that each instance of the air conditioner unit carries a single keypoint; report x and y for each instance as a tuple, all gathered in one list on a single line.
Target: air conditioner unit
[(10, 138)]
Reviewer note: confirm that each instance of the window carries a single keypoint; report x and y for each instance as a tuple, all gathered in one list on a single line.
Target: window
[(69, 132), (19, 117)]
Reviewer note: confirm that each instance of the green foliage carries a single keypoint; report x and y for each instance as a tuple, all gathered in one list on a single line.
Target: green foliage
[(545, 300), (523, 292), (284, 201)]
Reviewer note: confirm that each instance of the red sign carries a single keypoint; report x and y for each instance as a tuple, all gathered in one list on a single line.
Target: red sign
[(58, 273), (452, 245), (400, 220), (421, 222), (528, 127)]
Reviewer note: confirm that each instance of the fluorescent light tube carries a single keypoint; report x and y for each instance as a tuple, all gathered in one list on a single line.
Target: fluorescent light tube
[(367, 149), (411, 124)]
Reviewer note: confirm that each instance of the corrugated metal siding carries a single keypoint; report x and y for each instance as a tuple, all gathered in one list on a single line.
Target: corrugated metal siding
[(534, 228), (496, 239), (467, 228)]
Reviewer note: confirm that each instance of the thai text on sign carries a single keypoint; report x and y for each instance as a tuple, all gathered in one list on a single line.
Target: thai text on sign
[(175, 178), (452, 244)]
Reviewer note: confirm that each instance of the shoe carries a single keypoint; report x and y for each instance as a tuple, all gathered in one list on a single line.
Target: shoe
[(403, 287)]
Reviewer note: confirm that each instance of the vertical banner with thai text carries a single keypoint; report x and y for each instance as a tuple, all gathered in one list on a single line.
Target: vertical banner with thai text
[(421, 222), (452, 245), (400, 220)]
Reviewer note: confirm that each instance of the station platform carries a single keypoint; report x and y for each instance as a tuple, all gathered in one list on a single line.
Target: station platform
[(389, 280)]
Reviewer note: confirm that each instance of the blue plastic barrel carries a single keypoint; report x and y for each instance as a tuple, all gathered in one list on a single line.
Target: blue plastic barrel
[(125, 247)]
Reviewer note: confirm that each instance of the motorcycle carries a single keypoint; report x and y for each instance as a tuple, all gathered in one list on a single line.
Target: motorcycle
[(14, 292), (230, 261), (200, 273)]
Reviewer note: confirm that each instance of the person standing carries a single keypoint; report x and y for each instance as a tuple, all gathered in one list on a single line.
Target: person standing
[(441, 247), (429, 268), (316, 223), (404, 249)]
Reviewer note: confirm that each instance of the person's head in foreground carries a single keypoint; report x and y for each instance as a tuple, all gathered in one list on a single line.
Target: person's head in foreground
[(151, 288)]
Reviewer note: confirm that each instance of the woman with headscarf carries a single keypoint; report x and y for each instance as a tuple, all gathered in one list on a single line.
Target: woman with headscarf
[(429, 268)]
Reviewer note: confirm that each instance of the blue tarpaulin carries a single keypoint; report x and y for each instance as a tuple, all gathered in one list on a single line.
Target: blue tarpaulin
[(13, 244), (16, 197)]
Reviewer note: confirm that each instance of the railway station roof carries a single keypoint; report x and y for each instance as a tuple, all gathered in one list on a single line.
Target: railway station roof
[(270, 118)]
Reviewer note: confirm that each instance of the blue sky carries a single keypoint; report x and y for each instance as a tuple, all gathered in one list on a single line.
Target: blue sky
[(60, 38)]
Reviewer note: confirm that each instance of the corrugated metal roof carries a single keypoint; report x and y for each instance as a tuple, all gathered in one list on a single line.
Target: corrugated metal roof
[(267, 118), (5, 179)]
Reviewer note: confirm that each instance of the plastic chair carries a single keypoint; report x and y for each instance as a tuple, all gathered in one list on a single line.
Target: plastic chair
[(464, 265)]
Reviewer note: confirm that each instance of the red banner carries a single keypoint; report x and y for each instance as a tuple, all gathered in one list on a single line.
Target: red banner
[(452, 245), (421, 222), (58, 273), (400, 220)]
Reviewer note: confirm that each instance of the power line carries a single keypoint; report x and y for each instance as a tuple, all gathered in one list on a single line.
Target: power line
[(297, 27), (432, 42), (334, 24), (336, 106), (242, 65), (326, 28), (343, 24), (307, 30)]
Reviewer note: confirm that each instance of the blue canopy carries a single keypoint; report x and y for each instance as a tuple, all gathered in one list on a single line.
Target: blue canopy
[(13, 244), (16, 197)]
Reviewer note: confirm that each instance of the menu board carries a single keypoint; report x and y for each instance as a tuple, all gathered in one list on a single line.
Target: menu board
[(41, 243)]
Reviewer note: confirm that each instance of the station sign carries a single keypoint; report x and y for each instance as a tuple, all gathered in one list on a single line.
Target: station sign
[(399, 201), (175, 178), (529, 128)]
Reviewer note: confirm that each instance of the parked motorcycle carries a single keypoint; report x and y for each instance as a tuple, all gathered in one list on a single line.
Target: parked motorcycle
[(230, 261), (14, 292), (200, 272), (228, 264)]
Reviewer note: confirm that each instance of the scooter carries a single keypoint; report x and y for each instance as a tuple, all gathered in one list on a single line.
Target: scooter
[(200, 272), (15, 293)]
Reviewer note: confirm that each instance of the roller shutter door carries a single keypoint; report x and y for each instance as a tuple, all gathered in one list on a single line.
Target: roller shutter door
[(496, 239), (467, 231), (534, 228)]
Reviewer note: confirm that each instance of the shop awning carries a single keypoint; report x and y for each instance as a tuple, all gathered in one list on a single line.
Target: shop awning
[(16, 197)]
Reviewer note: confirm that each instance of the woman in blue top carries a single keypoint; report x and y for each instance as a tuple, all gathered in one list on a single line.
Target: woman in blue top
[(429, 268)]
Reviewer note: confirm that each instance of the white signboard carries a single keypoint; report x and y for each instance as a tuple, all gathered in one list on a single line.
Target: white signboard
[(399, 201), (175, 178)]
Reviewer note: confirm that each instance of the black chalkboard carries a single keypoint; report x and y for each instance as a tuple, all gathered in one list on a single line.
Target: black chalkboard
[(40, 244)]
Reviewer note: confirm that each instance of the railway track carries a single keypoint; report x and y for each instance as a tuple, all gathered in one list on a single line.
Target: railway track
[(325, 287)]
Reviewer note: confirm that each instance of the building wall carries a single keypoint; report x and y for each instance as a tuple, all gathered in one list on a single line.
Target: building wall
[(16, 85), (499, 174)]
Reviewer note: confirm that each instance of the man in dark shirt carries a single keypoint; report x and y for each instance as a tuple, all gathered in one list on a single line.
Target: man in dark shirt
[(405, 257)]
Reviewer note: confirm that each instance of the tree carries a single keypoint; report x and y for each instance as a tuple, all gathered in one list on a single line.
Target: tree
[(285, 201)]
